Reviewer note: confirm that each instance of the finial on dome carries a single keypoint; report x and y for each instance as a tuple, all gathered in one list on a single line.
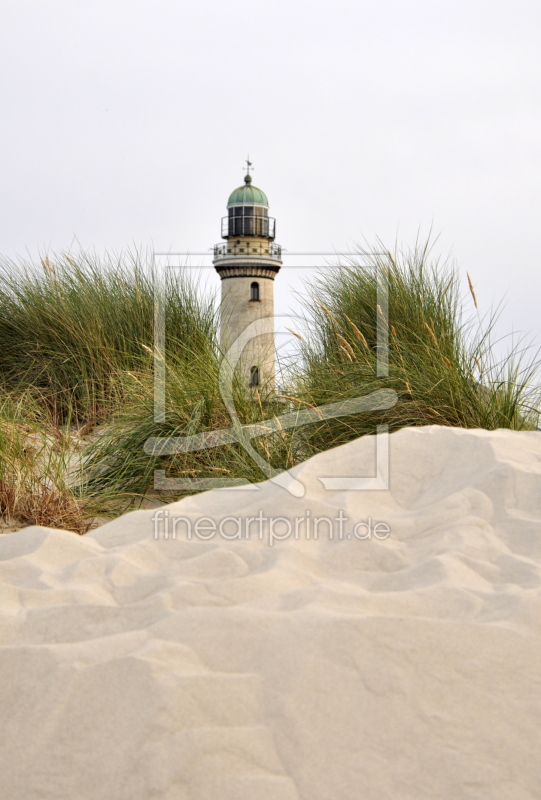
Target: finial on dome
[(248, 177)]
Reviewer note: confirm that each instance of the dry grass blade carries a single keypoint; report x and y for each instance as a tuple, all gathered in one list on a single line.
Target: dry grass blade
[(357, 332), (346, 344), (431, 332), (329, 313), (294, 333), (472, 290)]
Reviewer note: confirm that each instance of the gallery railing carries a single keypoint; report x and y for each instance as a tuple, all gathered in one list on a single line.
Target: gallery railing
[(248, 249)]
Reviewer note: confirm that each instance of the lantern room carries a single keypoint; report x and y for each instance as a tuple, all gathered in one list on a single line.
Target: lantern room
[(248, 213)]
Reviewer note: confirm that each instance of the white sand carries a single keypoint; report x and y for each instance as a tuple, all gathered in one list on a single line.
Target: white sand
[(401, 669)]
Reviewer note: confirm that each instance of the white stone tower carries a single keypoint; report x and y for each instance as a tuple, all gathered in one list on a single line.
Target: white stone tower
[(247, 263)]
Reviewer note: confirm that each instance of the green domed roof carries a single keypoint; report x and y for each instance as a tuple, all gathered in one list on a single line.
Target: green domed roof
[(248, 195)]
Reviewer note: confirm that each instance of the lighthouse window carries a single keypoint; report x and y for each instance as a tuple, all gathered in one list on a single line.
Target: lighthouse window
[(248, 221), (254, 291), (254, 376)]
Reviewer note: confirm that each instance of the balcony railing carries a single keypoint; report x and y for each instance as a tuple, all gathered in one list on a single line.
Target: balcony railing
[(249, 226), (268, 249)]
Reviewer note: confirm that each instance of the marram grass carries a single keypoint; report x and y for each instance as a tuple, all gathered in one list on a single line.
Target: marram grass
[(441, 364), (118, 460), (71, 326), (40, 466), (76, 366)]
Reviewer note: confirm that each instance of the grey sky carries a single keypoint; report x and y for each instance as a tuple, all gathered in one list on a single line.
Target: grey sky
[(128, 122)]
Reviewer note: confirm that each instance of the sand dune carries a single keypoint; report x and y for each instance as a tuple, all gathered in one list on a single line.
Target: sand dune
[(403, 665)]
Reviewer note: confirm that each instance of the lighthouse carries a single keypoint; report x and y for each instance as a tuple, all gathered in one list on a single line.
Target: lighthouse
[(247, 263)]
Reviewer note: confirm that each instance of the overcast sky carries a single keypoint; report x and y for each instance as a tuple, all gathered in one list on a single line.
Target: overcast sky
[(127, 122)]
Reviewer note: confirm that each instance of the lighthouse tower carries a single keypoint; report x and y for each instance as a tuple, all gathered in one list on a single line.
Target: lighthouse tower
[(247, 263)]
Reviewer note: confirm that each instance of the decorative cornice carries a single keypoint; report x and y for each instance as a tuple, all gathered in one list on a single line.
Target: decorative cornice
[(247, 270)]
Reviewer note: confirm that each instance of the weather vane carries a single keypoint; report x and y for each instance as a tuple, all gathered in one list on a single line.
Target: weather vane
[(248, 165)]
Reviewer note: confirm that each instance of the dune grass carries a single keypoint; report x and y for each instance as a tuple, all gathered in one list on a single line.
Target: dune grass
[(441, 362), (76, 334), (120, 460), (71, 326), (41, 469), (77, 337), (76, 366)]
